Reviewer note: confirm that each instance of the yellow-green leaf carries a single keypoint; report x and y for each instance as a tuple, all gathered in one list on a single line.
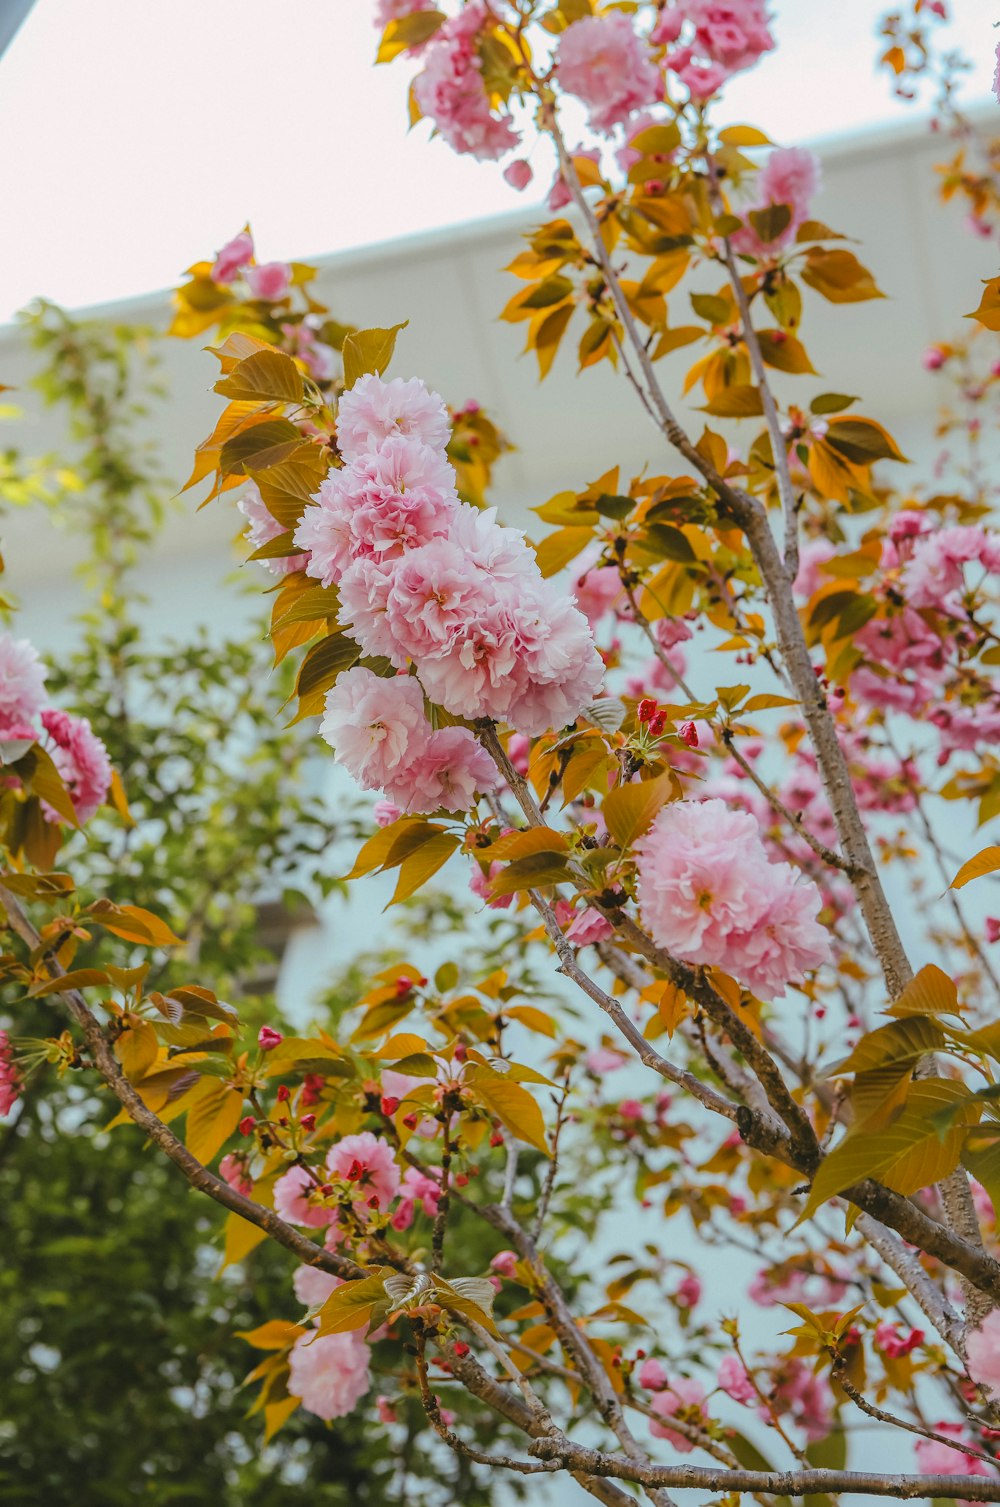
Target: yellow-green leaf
[(512, 1105), (986, 862), (629, 810), (368, 351)]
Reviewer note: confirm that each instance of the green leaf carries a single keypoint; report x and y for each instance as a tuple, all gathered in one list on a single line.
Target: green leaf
[(368, 351), (529, 873), (614, 507), (320, 669), (418, 867), (710, 307), (668, 542), (260, 447), (353, 1305), (831, 402), (771, 221)]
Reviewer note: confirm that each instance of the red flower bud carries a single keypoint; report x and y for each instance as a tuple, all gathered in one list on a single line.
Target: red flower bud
[(645, 709), (410, 1121), (246, 1125), (460, 1348), (284, 1093), (268, 1039), (403, 988), (389, 1105), (689, 734), (496, 1139), (657, 723), (461, 1180), (308, 1122)]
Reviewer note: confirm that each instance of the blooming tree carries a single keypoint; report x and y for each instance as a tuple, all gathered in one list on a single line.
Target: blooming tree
[(701, 864)]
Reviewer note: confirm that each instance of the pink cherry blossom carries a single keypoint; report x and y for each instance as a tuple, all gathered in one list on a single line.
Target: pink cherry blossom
[(263, 528), (709, 894), (504, 1263), (587, 927), (22, 684), (604, 1060), (480, 883), (518, 174), (435, 591), (270, 280), (385, 813), (671, 631), (702, 80), (313, 1286), (234, 256), (82, 761), (892, 1343), (375, 410), (934, 575), (560, 193), (732, 33), (689, 1291), (982, 1353), (396, 10), (596, 588), (451, 91), (652, 1375), (386, 1411), (10, 1078), (683, 1394), (449, 769), (935, 1458), (790, 177), (733, 1379), (813, 554), (603, 61), (395, 496), (233, 1170), (669, 25), (329, 1372), (962, 728), (796, 1390), (367, 1163), (417, 1191), (519, 752), (376, 727), (295, 1196)]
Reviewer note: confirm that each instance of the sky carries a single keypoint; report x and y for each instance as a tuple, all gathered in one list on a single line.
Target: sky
[(140, 136)]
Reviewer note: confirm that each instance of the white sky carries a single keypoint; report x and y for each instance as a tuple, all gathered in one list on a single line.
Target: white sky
[(139, 135)]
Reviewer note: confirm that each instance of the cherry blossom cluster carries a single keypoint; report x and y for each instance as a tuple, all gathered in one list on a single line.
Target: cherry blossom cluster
[(329, 1372), (26, 718), (709, 894), (430, 583), (272, 282), (615, 70)]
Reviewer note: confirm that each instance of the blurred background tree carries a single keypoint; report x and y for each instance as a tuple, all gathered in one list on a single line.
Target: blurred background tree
[(121, 1370)]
